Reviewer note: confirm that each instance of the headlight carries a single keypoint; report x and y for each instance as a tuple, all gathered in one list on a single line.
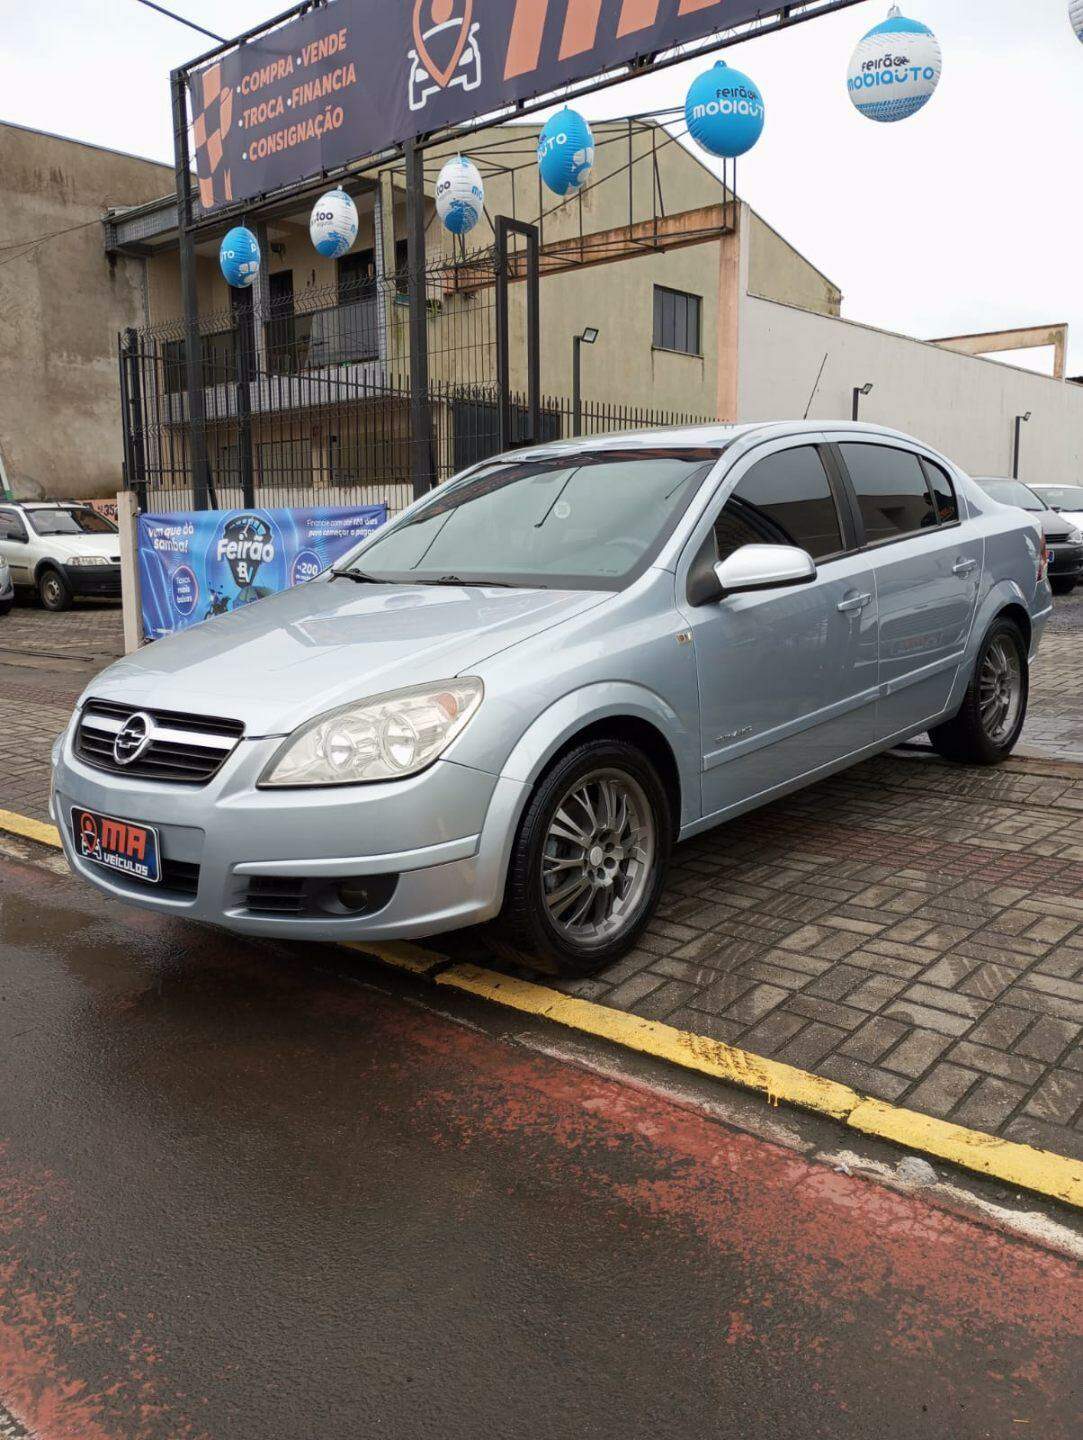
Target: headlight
[(1075, 537), (385, 738), (98, 560)]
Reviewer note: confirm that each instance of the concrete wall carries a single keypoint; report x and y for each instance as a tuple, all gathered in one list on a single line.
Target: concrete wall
[(61, 306), (964, 407), (779, 272)]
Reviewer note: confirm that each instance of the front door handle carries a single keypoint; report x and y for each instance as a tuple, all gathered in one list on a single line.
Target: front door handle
[(964, 567), (853, 603)]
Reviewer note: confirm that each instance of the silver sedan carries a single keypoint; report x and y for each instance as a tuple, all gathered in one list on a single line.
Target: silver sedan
[(513, 700)]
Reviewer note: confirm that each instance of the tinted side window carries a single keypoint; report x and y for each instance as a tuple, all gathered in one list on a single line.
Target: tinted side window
[(947, 503), (784, 500), (891, 491), (11, 527)]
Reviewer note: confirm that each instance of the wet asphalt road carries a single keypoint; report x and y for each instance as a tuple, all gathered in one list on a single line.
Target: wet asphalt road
[(251, 1191)]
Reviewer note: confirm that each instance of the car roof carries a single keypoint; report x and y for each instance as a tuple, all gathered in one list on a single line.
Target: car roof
[(712, 434)]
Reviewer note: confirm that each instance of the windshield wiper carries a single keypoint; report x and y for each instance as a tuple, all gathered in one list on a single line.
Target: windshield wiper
[(475, 584), (358, 576)]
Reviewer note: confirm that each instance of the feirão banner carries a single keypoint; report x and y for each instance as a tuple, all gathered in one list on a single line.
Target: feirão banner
[(353, 77), (196, 564)]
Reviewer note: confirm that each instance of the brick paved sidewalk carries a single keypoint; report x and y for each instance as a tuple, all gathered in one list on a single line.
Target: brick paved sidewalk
[(910, 928)]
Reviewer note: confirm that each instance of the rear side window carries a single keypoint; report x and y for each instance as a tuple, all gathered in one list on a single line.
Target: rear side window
[(784, 500), (891, 491), (947, 502)]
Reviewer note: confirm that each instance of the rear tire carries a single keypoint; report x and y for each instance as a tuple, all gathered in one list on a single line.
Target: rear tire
[(588, 863), (1063, 587), (54, 592), (994, 710)]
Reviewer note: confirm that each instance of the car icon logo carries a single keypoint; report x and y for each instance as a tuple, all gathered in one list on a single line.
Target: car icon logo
[(133, 738)]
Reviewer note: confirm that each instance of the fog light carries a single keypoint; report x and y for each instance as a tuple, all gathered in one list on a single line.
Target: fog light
[(365, 894)]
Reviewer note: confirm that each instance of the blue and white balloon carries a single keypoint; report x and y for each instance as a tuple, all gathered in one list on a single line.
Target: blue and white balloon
[(1075, 15), (239, 258), (333, 224), (724, 112), (460, 195), (566, 152), (895, 69)]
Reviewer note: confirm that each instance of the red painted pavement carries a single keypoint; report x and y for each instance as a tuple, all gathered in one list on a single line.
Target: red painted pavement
[(241, 1196)]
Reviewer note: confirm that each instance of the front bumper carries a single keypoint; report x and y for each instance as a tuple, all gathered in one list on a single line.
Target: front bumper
[(445, 835), (1066, 562), (101, 580)]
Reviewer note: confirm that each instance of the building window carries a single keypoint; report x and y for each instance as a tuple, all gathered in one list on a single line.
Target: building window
[(677, 318)]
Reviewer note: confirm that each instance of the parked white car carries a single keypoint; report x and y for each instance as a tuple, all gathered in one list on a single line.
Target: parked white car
[(1066, 500), (60, 551), (7, 589)]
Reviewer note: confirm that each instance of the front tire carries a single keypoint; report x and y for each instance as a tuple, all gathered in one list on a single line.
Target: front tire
[(54, 592), (994, 710), (1062, 587), (589, 860)]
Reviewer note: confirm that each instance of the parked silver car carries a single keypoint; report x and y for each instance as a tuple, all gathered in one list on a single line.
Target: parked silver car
[(513, 699)]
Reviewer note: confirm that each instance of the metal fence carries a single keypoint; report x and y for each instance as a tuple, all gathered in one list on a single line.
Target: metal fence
[(307, 396)]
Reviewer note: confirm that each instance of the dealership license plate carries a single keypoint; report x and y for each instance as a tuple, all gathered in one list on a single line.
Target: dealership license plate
[(118, 845)]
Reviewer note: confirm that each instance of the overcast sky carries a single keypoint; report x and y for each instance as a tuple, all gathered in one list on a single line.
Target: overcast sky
[(966, 217)]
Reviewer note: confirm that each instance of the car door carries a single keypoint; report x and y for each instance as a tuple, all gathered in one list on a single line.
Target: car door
[(15, 547), (928, 571), (787, 677)]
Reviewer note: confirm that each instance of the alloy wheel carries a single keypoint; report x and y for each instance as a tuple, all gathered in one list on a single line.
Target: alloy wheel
[(1000, 690), (598, 856)]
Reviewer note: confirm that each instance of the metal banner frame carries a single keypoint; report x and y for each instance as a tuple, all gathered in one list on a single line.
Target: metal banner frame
[(505, 228), (774, 15)]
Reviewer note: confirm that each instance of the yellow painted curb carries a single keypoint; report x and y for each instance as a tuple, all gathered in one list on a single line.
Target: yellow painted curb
[(1021, 1166), (29, 829), (400, 954)]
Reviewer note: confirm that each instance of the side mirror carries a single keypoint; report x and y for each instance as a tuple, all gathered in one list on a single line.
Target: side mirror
[(764, 567)]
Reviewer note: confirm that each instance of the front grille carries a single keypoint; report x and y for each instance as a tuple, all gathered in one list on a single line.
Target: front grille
[(179, 877), (1058, 539), (181, 749)]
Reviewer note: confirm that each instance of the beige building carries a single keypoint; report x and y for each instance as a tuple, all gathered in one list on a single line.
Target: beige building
[(703, 310), (63, 300)]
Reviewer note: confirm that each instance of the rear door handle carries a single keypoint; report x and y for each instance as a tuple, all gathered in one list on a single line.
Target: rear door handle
[(964, 567), (853, 603)]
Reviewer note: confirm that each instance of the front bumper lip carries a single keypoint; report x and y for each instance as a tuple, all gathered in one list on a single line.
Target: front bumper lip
[(445, 833), (93, 579)]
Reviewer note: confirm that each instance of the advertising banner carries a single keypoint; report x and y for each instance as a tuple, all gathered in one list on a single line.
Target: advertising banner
[(347, 80), (193, 565)]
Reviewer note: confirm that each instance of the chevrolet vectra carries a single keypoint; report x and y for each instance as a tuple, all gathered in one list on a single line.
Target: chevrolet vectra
[(510, 702)]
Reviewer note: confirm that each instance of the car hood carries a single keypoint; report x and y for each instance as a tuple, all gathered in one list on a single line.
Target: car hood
[(1066, 520), (66, 547), (283, 660), (1052, 523)]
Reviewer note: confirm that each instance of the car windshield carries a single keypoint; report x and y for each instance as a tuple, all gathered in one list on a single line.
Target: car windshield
[(79, 520), (588, 519), (1012, 492), (1062, 497)]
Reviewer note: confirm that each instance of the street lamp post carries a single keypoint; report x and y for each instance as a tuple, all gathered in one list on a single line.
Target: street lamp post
[(588, 337), (860, 390), (1020, 421)]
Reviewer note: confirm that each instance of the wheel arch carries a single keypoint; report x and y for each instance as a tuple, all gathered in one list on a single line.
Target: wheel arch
[(619, 712)]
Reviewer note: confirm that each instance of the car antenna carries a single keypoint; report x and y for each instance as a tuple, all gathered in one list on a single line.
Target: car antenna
[(816, 387)]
